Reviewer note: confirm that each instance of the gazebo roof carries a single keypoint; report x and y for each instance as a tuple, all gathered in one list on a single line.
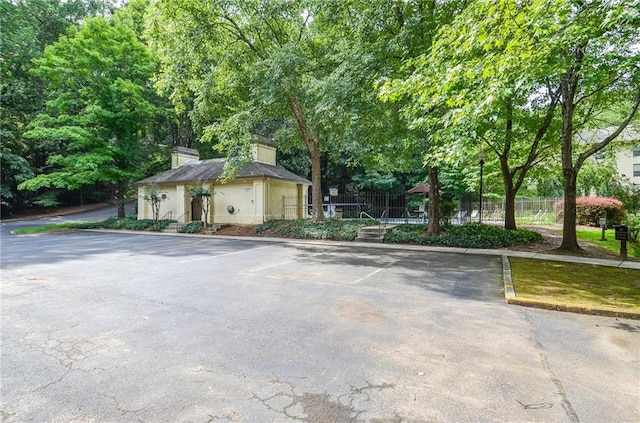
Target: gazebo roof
[(423, 188)]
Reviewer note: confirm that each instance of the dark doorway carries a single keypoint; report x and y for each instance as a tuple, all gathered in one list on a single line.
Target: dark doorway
[(196, 208)]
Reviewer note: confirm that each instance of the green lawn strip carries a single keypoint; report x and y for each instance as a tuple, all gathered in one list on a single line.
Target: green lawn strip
[(45, 228), (594, 236), (576, 286)]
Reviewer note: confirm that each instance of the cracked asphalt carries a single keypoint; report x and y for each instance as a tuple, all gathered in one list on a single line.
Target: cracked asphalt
[(114, 327)]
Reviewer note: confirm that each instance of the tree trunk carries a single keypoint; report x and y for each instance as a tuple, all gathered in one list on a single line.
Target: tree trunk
[(569, 236), (568, 90), (510, 191), (312, 141), (510, 208), (121, 195), (569, 177), (316, 178), (433, 229)]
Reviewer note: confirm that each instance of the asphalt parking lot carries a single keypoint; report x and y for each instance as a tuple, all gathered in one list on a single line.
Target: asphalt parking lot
[(112, 327)]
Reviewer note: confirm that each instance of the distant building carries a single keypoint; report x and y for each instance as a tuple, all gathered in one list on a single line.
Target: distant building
[(259, 192), (626, 148)]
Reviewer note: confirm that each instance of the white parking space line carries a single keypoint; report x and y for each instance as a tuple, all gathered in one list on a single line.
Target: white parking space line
[(173, 247), (282, 263), (374, 272), (222, 255)]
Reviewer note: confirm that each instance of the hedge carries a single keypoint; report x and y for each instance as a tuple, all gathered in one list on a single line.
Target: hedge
[(589, 210), (473, 235)]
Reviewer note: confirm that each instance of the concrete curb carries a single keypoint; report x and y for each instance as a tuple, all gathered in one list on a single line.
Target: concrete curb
[(511, 298), (402, 247)]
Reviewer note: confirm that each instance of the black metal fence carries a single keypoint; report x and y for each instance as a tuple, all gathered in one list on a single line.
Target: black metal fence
[(527, 210), (355, 206), (401, 208)]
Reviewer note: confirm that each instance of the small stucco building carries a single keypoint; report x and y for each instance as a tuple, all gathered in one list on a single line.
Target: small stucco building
[(261, 190)]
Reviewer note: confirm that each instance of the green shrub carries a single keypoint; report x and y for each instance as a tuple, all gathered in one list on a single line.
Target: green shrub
[(268, 225), (589, 210), (473, 235), (160, 225), (633, 223), (129, 223), (136, 225), (408, 234), (193, 227), (88, 225), (335, 229)]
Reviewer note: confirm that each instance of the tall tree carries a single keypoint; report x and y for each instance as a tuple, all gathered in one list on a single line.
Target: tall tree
[(595, 58), (478, 97), (27, 27), (246, 61), (390, 35), (98, 76), (523, 69)]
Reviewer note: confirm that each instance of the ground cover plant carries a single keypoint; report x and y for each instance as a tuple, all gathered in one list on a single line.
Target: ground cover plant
[(45, 228), (335, 229), (192, 227), (127, 223), (576, 285), (473, 235), (594, 236)]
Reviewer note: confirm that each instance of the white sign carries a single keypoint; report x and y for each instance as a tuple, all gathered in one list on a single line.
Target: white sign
[(603, 222), (333, 191)]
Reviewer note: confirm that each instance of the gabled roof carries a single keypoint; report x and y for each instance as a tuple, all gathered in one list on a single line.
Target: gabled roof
[(210, 170)]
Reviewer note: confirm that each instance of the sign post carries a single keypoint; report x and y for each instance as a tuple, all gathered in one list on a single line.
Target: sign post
[(603, 225), (622, 235)]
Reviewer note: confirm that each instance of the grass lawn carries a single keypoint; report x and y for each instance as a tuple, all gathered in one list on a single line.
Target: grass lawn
[(593, 235), (576, 285), (45, 228)]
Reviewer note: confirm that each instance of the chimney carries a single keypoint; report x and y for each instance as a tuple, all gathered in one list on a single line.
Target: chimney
[(263, 150), (181, 155)]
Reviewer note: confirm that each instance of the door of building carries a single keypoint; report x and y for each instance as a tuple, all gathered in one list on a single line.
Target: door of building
[(196, 208)]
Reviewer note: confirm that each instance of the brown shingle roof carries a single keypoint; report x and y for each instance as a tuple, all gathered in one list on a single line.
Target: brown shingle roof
[(210, 170)]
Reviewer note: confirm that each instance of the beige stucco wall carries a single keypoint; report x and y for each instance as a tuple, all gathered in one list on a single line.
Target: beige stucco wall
[(179, 158), (254, 201), (276, 190), (241, 195), (263, 153), (167, 205)]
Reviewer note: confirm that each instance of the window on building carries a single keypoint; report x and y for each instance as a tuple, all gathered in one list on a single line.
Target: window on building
[(636, 150), (636, 169)]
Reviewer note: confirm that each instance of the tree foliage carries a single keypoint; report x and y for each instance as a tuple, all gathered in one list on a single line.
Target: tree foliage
[(27, 27), (100, 104), (517, 75)]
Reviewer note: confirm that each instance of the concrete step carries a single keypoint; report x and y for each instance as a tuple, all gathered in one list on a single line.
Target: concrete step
[(212, 229), (371, 234), (171, 229)]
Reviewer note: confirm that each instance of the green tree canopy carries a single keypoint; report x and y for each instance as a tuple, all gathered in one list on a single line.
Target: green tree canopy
[(101, 102), (249, 61), (509, 73)]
